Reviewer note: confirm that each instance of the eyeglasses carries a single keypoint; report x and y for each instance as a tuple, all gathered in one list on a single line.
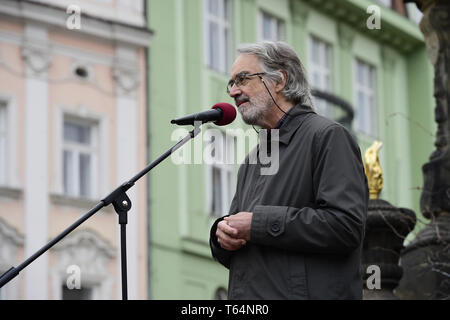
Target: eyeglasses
[(241, 79)]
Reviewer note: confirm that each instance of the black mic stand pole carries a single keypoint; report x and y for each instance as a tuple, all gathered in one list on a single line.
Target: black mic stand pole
[(121, 203)]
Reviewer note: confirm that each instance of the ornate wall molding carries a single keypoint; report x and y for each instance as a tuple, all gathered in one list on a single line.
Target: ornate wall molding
[(92, 254), (36, 57), (127, 78), (346, 35), (389, 58), (300, 12), (36, 51), (56, 17), (126, 71), (395, 32), (10, 241)]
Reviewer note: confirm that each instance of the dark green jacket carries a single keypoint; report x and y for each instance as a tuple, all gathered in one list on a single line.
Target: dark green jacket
[(308, 219)]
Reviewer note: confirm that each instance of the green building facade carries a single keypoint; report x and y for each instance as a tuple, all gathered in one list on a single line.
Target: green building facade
[(382, 70)]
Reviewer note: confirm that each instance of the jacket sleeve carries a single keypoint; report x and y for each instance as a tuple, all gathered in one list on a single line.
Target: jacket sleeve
[(336, 222), (219, 253)]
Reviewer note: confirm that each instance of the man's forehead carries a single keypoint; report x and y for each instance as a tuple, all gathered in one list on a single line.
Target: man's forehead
[(245, 63)]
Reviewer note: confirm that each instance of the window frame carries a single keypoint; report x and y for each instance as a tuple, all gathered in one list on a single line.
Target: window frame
[(370, 92), (225, 43), (77, 149), (277, 25), (227, 171), (11, 171), (322, 70)]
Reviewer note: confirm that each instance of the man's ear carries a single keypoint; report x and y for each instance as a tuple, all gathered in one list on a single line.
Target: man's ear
[(280, 85)]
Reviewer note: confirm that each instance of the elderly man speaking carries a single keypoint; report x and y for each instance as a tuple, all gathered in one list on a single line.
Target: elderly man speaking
[(298, 233)]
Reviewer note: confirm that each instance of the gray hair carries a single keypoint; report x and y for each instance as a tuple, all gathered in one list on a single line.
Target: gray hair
[(278, 56)]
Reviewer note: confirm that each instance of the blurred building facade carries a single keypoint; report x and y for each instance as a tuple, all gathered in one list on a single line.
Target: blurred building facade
[(73, 106), (381, 71)]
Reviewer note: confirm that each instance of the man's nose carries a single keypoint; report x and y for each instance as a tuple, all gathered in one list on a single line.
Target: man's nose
[(235, 91)]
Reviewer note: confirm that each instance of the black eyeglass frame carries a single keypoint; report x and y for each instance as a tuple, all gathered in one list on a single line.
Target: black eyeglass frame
[(245, 77)]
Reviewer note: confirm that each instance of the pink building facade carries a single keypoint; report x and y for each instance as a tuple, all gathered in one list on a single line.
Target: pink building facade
[(73, 126)]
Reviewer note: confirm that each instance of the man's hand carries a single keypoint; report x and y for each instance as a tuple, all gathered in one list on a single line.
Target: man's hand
[(241, 222), (226, 236)]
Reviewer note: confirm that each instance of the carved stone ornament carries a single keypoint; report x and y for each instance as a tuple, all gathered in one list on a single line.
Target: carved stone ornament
[(87, 250), (127, 79), (37, 58), (86, 254), (346, 36), (300, 12), (10, 241)]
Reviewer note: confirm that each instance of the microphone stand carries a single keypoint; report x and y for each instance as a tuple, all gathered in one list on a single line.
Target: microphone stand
[(121, 203)]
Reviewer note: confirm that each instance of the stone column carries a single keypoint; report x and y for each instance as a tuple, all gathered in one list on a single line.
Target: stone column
[(126, 75), (37, 58), (426, 261)]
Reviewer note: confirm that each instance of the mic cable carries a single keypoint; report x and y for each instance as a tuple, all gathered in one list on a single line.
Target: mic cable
[(287, 114), (273, 98)]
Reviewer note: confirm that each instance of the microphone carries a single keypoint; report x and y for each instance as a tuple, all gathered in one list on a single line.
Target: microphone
[(221, 113)]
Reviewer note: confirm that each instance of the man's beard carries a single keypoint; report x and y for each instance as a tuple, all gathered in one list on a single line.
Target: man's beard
[(255, 110)]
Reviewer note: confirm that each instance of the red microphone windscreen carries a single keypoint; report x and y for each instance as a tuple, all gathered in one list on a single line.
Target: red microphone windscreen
[(229, 113)]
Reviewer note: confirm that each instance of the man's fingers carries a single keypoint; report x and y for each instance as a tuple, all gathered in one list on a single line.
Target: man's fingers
[(227, 242), (225, 238), (230, 247), (223, 226)]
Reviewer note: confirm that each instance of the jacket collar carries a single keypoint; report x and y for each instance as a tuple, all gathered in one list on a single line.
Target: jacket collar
[(295, 118)]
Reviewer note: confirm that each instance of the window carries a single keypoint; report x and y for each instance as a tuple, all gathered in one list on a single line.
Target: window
[(272, 28), (365, 117), (320, 73), (221, 171), (3, 142), (79, 158), (218, 35)]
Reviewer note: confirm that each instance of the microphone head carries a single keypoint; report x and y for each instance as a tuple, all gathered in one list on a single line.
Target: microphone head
[(228, 111)]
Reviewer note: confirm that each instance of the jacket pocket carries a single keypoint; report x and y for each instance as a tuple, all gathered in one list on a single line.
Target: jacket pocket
[(298, 284)]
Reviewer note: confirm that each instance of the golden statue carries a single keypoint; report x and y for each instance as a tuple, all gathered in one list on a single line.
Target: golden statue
[(373, 169)]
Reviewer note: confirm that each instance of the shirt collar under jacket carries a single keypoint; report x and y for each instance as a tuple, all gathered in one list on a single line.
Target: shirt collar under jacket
[(291, 121)]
